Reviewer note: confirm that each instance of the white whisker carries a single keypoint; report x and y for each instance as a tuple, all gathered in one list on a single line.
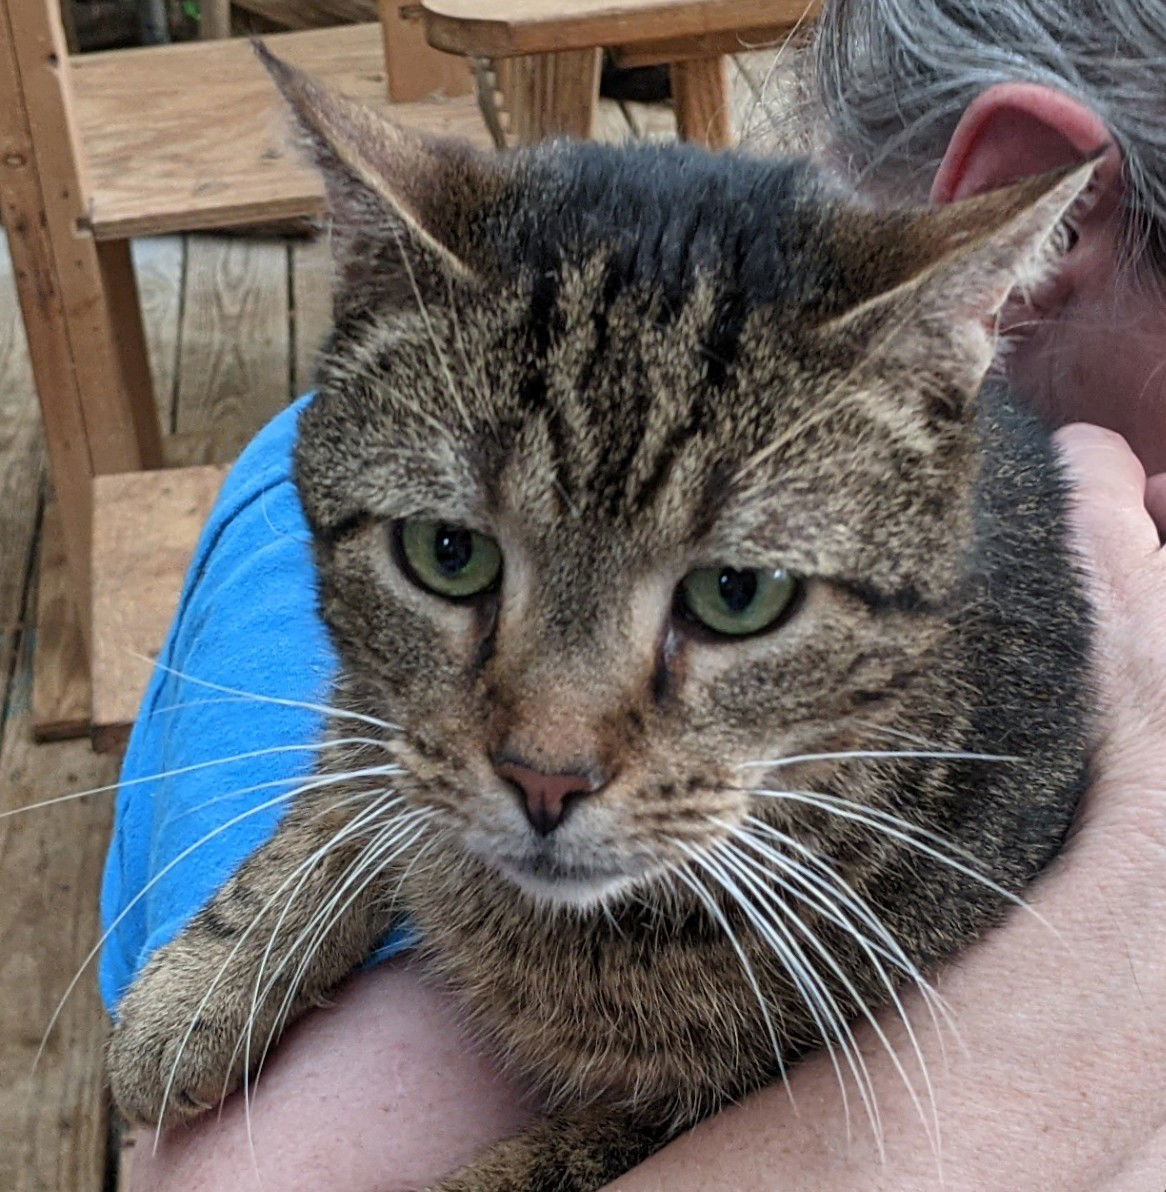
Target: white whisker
[(370, 860), (375, 858), (909, 834), (743, 865), (829, 885), (281, 701), (157, 877), (180, 770), (303, 867), (706, 899), (876, 755), (823, 1006)]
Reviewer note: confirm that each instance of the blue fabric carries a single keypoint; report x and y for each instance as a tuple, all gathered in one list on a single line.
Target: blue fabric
[(246, 625)]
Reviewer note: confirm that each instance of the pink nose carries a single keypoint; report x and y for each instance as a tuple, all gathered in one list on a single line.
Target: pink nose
[(546, 798)]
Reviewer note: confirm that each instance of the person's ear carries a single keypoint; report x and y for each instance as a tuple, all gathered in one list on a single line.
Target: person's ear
[(1015, 130)]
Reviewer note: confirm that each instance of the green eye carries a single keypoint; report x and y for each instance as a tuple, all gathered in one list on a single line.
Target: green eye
[(449, 560), (737, 603)]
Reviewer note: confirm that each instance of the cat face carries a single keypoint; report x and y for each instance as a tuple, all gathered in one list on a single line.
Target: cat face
[(633, 471)]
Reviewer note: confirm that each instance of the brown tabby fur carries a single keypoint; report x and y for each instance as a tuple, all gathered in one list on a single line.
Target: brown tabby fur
[(624, 365)]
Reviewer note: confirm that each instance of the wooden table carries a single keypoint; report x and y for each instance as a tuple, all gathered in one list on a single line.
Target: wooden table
[(557, 50)]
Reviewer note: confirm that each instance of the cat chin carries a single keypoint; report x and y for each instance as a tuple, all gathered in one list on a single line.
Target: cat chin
[(578, 893)]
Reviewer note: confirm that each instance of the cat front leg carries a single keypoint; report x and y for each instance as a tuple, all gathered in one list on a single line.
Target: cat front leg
[(577, 1152), (296, 919)]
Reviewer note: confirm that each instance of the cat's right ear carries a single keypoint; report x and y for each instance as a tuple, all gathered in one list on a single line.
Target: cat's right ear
[(385, 185)]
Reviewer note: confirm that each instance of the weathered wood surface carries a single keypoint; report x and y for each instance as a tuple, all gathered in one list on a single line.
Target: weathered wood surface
[(553, 95), (60, 691), (52, 1111), (49, 194), (61, 701), (311, 307), (501, 28), (160, 264), (42, 304), (701, 99), (145, 530), (234, 369), (414, 67), (52, 1118), (708, 45), (21, 470), (195, 136)]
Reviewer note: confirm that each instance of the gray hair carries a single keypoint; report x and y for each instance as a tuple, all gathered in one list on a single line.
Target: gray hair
[(894, 77)]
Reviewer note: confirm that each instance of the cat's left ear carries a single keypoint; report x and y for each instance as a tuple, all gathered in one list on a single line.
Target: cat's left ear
[(952, 268), (383, 182)]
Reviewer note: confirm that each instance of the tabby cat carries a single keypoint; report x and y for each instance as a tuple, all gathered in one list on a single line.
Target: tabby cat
[(713, 608)]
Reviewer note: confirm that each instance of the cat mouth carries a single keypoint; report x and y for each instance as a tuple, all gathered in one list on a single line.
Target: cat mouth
[(551, 879)]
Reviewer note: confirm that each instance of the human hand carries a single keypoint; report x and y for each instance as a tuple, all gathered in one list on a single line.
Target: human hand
[(1119, 521)]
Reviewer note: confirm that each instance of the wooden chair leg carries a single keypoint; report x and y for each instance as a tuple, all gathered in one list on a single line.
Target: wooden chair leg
[(413, 67), (214, 19), (125, 316), (23, 204), (61, 697), (554, 95), (701, 99)]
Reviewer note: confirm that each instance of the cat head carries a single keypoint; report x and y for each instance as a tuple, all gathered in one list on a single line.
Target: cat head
[(632, 468)]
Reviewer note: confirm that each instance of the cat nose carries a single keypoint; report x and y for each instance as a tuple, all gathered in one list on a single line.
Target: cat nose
[(546, 798)]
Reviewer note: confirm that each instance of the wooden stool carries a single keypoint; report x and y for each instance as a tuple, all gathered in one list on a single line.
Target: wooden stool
[(554, 52)]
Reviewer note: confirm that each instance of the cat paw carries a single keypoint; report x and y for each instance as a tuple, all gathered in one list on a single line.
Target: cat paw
[(173, 1053)]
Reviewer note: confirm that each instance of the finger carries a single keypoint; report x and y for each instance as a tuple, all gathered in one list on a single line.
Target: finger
[(1109, 515), (1156, 502)]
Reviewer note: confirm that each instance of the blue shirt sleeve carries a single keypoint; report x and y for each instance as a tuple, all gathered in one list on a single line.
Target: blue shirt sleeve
[(227, 725)]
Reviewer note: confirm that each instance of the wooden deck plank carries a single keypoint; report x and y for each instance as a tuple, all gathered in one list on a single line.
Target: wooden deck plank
[(311, 264), (21, 468), (52, 1117), (235, 368)]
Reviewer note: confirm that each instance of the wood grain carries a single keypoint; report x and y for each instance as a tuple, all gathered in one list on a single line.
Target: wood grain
[(52, 1115), (146, 526), (195, 136), (124, 320), (702, 102), (414, 67), (235, 364), (116, 438), (42, 308), (61, 697), (553, 95), (160, 263), (311, 307), (502, 28), (21, 469)]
